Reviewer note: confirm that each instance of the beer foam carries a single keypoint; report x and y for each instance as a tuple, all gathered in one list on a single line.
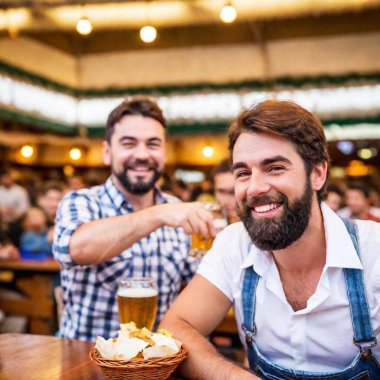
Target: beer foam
[(137, 292)]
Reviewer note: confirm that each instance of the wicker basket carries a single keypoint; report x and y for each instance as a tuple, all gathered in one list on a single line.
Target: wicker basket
[(139, 369)]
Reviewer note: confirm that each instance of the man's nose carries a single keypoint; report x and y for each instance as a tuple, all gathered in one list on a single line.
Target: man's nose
[(258, 185), (141, 151)]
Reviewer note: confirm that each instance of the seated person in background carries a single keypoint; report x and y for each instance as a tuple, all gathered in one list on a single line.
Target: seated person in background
[(75, 182), (48, 198), (358, 204), (34, 239), (124, 227), (14, 199), (304, 283), (333, 197), (7, 250), (224, 189)]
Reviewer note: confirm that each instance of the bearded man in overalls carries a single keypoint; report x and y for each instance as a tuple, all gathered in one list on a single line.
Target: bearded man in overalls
[(304, 284)]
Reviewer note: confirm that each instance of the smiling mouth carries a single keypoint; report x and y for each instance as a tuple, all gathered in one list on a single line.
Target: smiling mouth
[(266, 207), (141, 169)]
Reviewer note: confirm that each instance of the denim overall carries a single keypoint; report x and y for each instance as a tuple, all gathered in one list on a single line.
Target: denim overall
[(363, 367)]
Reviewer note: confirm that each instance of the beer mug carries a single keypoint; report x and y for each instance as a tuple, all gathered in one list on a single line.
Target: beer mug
[(137, 301), (200, 245)]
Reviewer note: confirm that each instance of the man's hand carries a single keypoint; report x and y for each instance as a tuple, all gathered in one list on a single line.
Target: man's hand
[(193, 217), (102, 239), (9, 252)]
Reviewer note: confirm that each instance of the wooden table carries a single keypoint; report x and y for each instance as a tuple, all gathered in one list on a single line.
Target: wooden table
[(35, 357), (34, 280)]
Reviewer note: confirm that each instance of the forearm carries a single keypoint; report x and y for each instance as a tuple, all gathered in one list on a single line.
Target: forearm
[(203, 361), (103, 239)]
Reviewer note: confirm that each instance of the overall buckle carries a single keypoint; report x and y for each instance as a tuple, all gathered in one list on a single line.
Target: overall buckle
[(249, 334), (365, 347)]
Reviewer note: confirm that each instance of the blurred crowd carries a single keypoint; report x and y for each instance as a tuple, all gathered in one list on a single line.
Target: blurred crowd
[(27, 214)]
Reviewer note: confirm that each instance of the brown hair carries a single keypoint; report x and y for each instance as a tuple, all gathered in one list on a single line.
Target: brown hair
[(134, 106), (290, 121), (224, 166)]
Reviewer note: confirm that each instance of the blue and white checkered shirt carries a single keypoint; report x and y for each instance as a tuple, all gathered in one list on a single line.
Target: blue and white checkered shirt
[(90, 291)]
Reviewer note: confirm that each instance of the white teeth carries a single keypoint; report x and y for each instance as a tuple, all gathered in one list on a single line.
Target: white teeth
[(266, 208), (140, 169)]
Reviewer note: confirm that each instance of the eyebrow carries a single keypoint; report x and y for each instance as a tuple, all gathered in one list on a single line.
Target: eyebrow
[(274, 159), (266, 162), (238, 165), (130, 138)]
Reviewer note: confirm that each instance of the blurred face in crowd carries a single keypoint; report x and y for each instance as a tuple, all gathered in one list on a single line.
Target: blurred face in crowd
[(357, 202), (333, 200), (76, 183), (225, 194), (6, 180), (136, 153), (35, 220), (273, 193), (49, 202)]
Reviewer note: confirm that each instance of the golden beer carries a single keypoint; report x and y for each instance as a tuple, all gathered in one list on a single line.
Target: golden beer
[(199, 244), (137, 305)]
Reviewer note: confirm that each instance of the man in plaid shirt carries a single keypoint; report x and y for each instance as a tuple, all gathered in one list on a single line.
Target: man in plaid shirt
[(125, 227)]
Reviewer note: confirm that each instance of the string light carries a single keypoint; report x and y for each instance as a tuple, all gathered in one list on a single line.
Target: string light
[(208, 151), (75, 154), (27, 151), (84, 26), (228, 13), (148, 33)]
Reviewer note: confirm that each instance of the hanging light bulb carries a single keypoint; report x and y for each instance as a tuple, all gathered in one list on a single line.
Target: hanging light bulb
[(148, 33), (208, 151), (84, 26), (228, 13), (27, 151), (75, 154)]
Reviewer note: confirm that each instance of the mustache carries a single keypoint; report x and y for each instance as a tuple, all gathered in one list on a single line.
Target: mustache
[(265, 199)]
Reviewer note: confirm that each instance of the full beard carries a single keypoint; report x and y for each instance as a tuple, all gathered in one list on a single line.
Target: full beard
[(138, 186), (273, 234)]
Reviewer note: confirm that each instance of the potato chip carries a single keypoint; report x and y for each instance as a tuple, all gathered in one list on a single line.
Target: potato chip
[(137, 343), (165, 341), (157, 352), (126, 350)]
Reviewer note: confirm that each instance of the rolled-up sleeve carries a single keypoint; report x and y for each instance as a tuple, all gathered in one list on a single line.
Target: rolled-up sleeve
[(75, 209)]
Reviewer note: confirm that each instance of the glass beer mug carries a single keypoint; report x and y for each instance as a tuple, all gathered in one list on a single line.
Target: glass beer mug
[(137, 301), (200, 245)]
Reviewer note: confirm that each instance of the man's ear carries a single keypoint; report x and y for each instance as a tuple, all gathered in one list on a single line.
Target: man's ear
[(106, 152), (318, 175)]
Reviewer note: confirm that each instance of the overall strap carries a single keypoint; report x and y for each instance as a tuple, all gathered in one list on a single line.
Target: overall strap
[(361, 320), (251, 279)]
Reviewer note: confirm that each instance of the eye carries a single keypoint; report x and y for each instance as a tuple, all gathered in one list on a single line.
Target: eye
[(276, 169), (241, 174), (127, 144), (154, 145)]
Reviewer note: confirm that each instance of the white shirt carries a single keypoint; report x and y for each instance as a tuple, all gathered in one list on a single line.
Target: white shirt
[(16, 198), (318, 338)]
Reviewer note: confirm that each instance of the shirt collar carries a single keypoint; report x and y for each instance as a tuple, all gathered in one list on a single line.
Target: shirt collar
[(340, 251)]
